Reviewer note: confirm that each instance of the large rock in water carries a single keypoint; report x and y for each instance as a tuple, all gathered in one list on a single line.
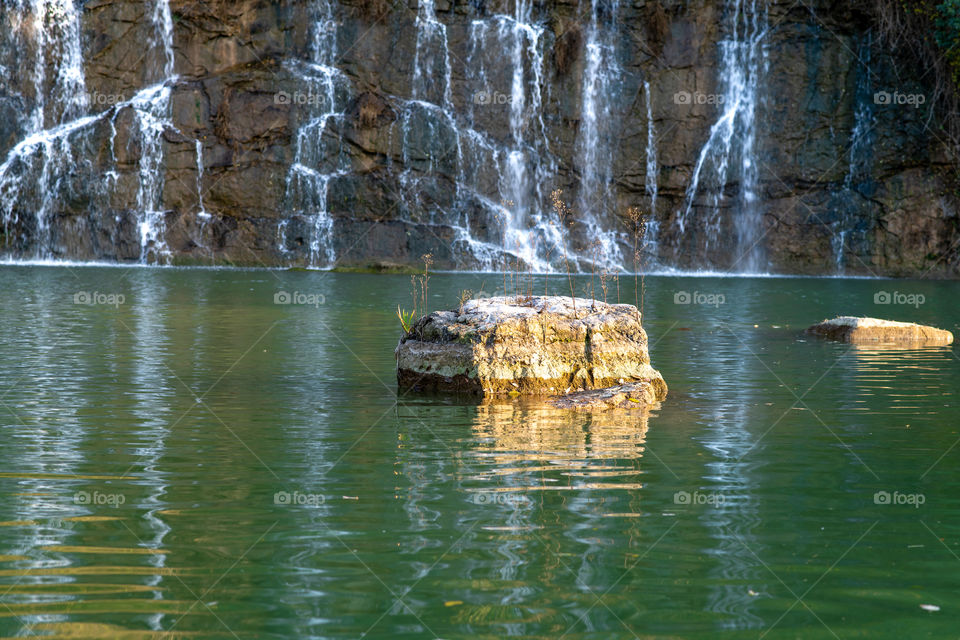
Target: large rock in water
[(874, 330), (535, 345)]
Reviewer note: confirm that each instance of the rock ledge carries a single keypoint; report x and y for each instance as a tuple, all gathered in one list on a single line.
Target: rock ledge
[(538, 345), (874, 330), (633, 395)]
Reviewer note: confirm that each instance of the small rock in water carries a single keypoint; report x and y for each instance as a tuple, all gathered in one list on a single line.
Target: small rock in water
[(622, 396), (876, 331)]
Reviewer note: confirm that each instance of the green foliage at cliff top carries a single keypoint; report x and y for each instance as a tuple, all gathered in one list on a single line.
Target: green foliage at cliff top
[(944, 18)]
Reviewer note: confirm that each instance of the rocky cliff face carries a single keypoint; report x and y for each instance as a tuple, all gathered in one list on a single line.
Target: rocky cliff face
[(757, 135)]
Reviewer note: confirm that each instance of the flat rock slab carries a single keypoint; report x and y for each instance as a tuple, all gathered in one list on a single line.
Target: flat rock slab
[(546, 345), (634, 395), (876, 331)]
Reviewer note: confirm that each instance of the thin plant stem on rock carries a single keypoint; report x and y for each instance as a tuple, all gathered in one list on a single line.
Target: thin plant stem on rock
[(562, 210)]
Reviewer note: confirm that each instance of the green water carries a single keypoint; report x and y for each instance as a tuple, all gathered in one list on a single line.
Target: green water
[(151, 445)]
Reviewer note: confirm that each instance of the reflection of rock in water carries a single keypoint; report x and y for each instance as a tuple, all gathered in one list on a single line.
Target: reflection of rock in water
[(565, 449)]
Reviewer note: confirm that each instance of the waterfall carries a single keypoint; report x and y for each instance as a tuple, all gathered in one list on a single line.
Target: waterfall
[(162, 38), (652, 176), (152, 114), (431, 63), (318, 154), (151, 109), (729, 155), (88, 179), (52, 167), (202, 212), (596, 142), (45, 38), (55, 28), (857, 183), (318, 159), (525, 165)]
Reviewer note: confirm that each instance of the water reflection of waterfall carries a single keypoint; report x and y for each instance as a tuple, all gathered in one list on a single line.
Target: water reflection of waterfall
[(729, 433), (47, 431), (729, 156), (152, 400), (731, 521)]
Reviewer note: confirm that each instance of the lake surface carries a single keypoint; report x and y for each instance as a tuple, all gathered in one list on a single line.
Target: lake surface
[(186, 458)]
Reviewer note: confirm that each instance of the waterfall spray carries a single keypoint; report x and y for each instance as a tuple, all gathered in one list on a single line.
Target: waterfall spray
[(318, 154), (596, 142), (730, 152), (859, 155)]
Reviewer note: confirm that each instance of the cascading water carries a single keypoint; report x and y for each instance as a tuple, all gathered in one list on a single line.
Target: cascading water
[(730, 154), (858, 183), (151, 109), (525, 165), (596, 142), (652, 177), (483, 169), (318, 156), (47, 36), (52, 167), (152, 115), (431, 64)]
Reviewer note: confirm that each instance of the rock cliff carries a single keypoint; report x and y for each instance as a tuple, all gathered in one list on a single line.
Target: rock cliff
[(757, 135)]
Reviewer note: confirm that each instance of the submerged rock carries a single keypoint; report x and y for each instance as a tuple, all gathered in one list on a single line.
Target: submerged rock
[(874, 330), (528, 345), (633, 395)]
